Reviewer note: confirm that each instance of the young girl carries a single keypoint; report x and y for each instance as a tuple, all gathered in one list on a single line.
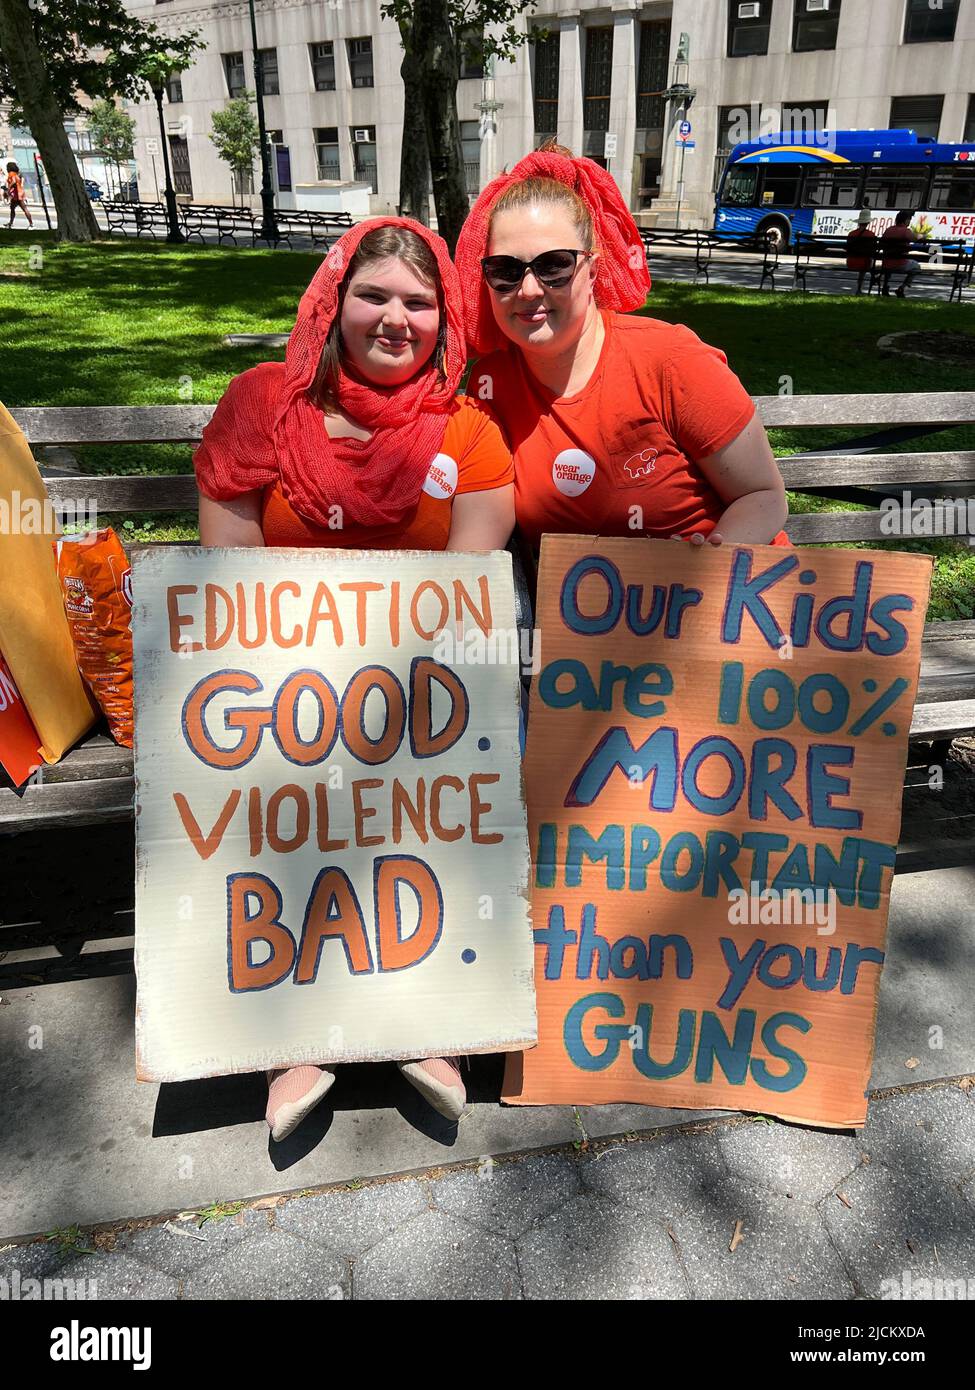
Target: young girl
[(619, 424), (14, 192), (359, 440)]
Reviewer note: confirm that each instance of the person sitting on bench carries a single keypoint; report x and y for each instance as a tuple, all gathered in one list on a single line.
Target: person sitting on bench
[(894, 244), (861, 248)]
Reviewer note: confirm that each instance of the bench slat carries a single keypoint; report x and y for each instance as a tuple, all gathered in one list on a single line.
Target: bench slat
[(170, 492), (184, 423), (819, 528), (67, 803), (845, 470), (914, 408), (113, 424)]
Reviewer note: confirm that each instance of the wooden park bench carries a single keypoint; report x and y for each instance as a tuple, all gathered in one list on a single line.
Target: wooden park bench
[(953, 267), (136, 219), (93, 783), (705, 243), (320, 228), (226, 223)]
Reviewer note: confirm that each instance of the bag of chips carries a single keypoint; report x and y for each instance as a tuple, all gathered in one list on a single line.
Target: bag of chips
[(96, 585)]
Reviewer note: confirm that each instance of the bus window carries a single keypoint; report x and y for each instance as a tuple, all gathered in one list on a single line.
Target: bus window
[(833, 187), (739, 185), (896, 186), (953, 190), (780, 185)]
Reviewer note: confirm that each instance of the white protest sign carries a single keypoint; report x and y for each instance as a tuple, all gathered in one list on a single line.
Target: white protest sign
[(332, 859)]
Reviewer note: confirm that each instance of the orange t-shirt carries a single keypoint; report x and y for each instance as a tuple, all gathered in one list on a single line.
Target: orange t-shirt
[(472, 458), (15, 187), (658, 400)]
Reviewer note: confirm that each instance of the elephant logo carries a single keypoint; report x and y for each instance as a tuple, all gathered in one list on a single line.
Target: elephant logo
[(641, 465)]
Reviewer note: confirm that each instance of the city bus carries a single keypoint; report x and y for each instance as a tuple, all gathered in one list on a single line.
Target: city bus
[(817, 184)]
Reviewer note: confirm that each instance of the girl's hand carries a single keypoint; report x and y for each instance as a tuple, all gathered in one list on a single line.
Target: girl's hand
[(715, 538)]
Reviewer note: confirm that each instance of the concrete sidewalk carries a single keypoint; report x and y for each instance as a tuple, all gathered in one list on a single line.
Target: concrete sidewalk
[(736, 1208)]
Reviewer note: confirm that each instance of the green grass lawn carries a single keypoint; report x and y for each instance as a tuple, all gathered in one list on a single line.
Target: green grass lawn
[(142, 323)]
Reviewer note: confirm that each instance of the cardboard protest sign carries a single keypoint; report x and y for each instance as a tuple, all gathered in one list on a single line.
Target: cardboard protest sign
[(716, 749), (332, 858)]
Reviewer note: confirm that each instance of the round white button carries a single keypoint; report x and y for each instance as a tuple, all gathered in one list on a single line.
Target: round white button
[(573, 471), (442, 479)]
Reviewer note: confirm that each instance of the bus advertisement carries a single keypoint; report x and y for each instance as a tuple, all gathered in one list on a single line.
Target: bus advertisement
[(777, 186)]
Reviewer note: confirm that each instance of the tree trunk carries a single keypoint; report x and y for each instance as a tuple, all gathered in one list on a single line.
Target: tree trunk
[(436, 56), (76, 220), (414, 165)]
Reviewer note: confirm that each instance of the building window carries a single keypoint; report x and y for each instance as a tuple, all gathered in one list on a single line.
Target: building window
[(327, 152), (470, 143), (269, 71), (598, 78), (748, 27), (735, 125), (545, 80), (364, 155), (927, 23), (802, 119), (894, 186), (815, 25), (651, 76), (180, 156), (174, 87), (233, 66), (969, 134), (920, 114), (471, 43), (323, 66), (360, 61)]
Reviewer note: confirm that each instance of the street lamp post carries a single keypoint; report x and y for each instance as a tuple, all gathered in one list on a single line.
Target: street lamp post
[(172, 216), (269, 226)]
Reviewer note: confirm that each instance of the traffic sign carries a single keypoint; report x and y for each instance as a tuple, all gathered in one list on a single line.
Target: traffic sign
[(685, 144), (609, 146), (684, 129)]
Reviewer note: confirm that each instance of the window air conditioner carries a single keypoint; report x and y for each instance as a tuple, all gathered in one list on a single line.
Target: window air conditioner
[(753, 11), (817, 4), (361, 137)]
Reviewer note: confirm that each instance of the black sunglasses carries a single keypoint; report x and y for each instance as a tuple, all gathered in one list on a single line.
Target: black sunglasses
[(553, 269)]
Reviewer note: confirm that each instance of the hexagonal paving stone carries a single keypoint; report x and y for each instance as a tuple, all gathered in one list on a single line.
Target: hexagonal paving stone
[(508, 1197), (803, 1164), (352, 1222), (272, 1265), (660, 1175), (595, 1249), (887, 1212), (179, 1255), (784, 1251), (438, 1257), (99, 1275), (921, 1130)]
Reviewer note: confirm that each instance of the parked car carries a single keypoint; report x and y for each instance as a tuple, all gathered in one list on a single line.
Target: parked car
[(93, 189)]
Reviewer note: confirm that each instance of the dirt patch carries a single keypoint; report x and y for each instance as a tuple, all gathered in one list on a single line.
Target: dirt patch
[(947, 346)]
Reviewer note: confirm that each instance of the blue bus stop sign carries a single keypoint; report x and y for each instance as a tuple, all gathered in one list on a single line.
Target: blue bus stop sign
[(684, 128)]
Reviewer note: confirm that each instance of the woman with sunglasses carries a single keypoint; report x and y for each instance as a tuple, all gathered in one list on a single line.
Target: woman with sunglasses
[(619, 425), (358, 439)]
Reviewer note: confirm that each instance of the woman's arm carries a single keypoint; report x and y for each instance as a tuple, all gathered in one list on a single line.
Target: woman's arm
[(482, 520), (235, 522), (746, 477)]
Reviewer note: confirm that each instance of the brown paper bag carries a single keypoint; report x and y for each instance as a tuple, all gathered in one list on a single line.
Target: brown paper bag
[(35, 640)]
